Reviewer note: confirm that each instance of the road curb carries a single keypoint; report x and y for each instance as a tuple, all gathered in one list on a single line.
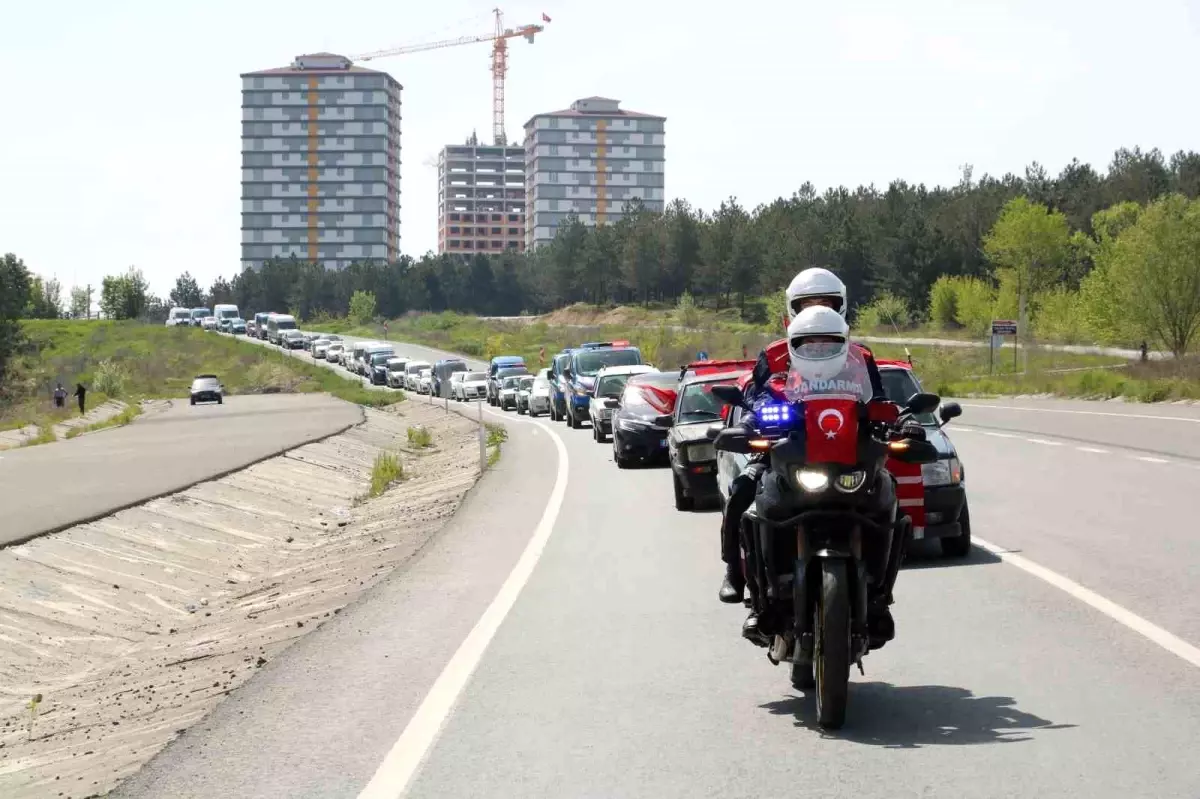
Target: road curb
[(58, 528)]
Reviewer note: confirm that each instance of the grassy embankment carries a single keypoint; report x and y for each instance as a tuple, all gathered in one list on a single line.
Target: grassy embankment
[(950, 371), (131, 362)]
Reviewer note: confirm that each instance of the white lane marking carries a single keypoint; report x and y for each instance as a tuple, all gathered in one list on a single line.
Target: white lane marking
[(1044, 441), (1085, 413), (405, 757), (998, 435), (1173, 644), (1149, 459), (1093, 450), (964, 429)]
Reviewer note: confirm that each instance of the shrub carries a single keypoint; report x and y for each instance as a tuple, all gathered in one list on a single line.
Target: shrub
[(885, 311), (943, 303), (420, 437), (386, 470), (109, 378)]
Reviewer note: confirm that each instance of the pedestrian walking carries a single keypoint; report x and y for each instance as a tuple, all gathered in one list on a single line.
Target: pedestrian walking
[(60, 396), (80, 394), (1144, 352)]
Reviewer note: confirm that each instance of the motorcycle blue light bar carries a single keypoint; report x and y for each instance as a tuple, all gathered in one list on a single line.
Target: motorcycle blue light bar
[(775, 414)]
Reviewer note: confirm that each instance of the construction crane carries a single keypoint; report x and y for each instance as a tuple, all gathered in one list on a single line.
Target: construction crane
[(499, 39)]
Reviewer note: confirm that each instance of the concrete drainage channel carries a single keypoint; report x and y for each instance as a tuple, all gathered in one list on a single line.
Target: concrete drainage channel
[(118, 634)]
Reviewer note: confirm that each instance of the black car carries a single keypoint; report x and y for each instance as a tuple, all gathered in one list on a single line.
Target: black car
[(946, 515), (207, 388), (636, 432), (693, 457)]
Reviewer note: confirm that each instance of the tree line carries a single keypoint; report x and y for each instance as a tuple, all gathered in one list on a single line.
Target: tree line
[(1068, 248)]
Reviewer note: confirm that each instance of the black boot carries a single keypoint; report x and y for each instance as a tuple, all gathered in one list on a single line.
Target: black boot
[(733, 587), (750, 631), (881, 628)]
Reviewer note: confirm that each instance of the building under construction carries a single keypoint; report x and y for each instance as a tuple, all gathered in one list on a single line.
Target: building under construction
[(481, 198)]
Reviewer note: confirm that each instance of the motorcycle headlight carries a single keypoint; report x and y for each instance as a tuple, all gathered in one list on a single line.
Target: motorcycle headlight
[(942, 473), (812, 480), (850, 482)]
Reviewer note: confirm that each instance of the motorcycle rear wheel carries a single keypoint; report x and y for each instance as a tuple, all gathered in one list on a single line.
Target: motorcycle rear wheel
[(831, 660)]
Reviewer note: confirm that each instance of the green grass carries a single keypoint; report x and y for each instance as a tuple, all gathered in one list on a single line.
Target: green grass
[(952, 371), (420, 437), (496, 436), (386, 470), (132, 361), (45, 435)]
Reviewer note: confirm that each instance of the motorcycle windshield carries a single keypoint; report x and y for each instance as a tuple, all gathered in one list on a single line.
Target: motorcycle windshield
[(830, 403)]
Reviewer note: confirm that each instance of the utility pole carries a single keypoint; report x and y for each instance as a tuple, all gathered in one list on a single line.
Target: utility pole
[(89, 308)]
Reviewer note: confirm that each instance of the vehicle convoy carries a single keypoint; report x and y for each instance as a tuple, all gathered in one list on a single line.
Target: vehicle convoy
[(225, 311), (197, 316), (395, 371), (412, 374), (586, 362), (320, 347), (559, 386), (442, 370), (260, 325), (692, 456), (471, 386), (808, 534), (539, 399), (276, 324), (207, 388), (636, 432), (524, 389), (509, 387), (179, 317), (606, 394), (502, 366)]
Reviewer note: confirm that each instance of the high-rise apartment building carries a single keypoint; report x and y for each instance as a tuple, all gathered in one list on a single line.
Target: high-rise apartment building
[(481, 198), (590, 160), (320, 163)]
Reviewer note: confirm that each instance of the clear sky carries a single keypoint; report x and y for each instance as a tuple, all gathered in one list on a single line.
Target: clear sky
[(119, 140)]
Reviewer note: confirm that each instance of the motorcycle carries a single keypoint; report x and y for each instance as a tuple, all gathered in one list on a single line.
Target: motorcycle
[(803, 538)]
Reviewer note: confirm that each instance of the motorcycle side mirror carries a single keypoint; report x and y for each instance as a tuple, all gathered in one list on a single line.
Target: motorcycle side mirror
[(730, 395), (713, 431), (664, 420), (911, 450), (951, 410), (922, 402), (731, 440)]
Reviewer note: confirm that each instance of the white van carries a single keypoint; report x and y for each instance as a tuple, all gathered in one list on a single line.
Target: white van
[(353, 358), (225, 314), (179, 317), (278, 322), (412, 374)]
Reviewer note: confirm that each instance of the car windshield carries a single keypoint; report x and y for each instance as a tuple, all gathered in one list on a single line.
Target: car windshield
[(205, 383), (541, 384), (611, 385), (898, 386), (526, 383), (474, 376), (697, 403), (225, 313), (380, 357), (561, 362), (328, 337), (181, 315), (590, 362), (398, 366), (200, 313), (287, 324), (426, 373), (512, 382), (511, 371)]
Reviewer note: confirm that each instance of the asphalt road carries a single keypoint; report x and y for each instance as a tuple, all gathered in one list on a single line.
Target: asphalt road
[(48, 487), (617, 673)]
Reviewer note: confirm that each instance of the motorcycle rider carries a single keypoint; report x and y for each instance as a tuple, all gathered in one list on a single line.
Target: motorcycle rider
[(811, 289)]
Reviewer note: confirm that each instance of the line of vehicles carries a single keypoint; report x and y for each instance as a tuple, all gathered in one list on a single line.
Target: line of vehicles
[(224, 318)]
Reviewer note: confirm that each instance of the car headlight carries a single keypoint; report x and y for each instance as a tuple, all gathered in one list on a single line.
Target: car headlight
[(812, 480), (850, 482), (632, 425), (942, 473), (698, 453)]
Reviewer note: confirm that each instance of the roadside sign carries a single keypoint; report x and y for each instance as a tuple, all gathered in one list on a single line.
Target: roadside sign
[(997, 341), (1000, 329), (701, 356), (1004, 327)]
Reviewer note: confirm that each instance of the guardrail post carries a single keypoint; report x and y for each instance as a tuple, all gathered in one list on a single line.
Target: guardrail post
[(482, 442)]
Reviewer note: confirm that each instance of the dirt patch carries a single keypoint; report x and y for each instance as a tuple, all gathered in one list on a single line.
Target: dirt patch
[(133, 627), (590, 315)]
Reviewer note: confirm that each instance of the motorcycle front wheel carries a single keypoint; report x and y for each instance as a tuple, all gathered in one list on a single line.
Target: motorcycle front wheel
[(831, 658)]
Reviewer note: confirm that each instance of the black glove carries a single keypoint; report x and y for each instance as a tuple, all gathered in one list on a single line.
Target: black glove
[(912, 429)]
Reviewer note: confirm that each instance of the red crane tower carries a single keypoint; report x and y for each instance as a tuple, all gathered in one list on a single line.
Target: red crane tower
[(499, 39)]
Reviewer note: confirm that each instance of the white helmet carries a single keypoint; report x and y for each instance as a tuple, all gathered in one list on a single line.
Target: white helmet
[(818, 343), (815, 282)]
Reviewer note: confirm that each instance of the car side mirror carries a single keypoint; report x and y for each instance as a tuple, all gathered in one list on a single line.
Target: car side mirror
[(951, 410), (922, 402), (730, 395), (713, 431), (664, 420)]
